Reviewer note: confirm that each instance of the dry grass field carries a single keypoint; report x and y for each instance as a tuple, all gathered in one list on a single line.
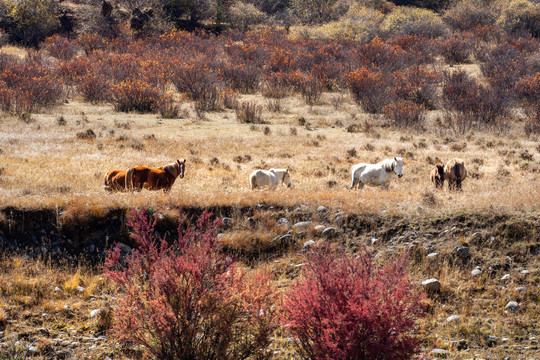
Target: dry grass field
[(51, 160), (48, 161)]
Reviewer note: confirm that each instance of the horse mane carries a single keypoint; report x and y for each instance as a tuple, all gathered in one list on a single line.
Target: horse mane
[(388, 165), (172, 168)]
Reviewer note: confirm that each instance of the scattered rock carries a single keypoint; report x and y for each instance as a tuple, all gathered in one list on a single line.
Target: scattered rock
[(227, 221), (321, 209), (512, 306), (308, 244), (477, 271), (68, 308), (439, 353), (95, 313), (524, 272), (57, 289), (374, 241), (491, 340), (433, 255), (432, 285), (319, 227), (302, 224), (505, 277), (329, 231), (283, 221), (453, 318), (520, 289), (285, 237)]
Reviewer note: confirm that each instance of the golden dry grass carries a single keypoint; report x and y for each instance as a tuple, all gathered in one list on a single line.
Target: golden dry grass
[(45, 164)]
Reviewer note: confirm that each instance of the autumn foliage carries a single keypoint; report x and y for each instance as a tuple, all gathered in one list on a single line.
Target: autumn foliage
[(187, 300), (348, 307)]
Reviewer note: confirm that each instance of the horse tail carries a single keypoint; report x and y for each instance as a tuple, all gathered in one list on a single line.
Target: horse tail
[(129, 179), (106, 184)]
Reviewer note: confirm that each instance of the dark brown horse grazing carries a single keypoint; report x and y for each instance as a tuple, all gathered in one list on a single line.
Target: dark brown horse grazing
[(437, 175), (455, 172), (163, 177), (115, 180)]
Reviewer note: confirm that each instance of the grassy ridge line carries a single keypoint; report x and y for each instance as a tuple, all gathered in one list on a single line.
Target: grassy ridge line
[(257, 226)]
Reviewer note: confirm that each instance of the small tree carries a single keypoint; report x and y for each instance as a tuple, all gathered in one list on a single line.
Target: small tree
[(187, 300), (349, 308)]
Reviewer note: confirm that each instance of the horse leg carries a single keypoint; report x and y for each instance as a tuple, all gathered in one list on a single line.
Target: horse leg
[(353, 183), (458, 184)]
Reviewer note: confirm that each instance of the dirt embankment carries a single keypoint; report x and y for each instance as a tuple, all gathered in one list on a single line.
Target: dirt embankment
[(57, 233)]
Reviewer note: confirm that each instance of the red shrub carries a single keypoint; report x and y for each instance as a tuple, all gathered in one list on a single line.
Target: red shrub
[(347, 307), (60, 47), (241, 77), (405, 113), (91, 42), (94, 87), (135, 95), (276, 85), (311, 89), (367, 88), (528, 89), (191, 77), (29, 87), (187, 300), (468, 103), (416, 84), (457, 49), (72, 71)]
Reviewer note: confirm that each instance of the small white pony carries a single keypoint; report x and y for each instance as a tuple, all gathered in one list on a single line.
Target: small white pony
[(376, 174), (269, 178)]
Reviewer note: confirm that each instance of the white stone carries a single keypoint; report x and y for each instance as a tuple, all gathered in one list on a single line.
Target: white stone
[(512, 306), (505, 277), (453, 318), (95, 313), (431, 284)]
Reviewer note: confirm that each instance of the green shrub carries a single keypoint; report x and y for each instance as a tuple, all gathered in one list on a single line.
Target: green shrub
[(244, 15), (30, 21), (358, 24), (520, 15), (319, 11), (414, 21)]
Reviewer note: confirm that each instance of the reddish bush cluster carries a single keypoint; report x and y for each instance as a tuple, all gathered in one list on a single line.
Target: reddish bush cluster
[(468, 103), (405, 113), (528, 89), (347, 307), (367, 88), (28, 87), (186, 299)]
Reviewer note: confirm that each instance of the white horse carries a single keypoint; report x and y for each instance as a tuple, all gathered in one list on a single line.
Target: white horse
[(376, 174), (269, 178)]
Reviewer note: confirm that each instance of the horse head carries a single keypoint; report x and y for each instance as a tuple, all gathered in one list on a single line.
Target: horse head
[(397, 166), (287, 178), (181, 167)]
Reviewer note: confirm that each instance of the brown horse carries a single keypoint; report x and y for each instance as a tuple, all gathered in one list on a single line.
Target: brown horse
[(437, 175), (163, 177), (115, 180), (455, 172)]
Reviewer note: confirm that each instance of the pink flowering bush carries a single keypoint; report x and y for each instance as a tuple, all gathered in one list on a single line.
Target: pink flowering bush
[(185, 299), (348, 307)]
